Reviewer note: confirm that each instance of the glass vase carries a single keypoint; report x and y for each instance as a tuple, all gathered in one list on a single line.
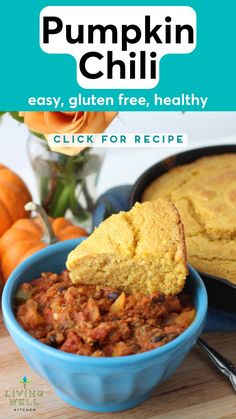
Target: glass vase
[(66, 184)]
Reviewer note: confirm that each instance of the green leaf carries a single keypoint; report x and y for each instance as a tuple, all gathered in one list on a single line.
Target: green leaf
[(15, 115), (37, 134), (1, 114)]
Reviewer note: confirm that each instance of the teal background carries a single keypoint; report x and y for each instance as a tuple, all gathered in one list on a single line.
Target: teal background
[(27, 71)]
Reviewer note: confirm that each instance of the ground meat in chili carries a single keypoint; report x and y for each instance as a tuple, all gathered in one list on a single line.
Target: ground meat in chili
[(97, 320)]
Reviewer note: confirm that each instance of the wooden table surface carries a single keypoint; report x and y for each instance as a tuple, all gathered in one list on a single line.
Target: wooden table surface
[(195, 391)]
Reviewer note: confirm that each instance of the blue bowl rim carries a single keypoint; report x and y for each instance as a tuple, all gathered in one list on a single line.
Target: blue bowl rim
[(9, 319)]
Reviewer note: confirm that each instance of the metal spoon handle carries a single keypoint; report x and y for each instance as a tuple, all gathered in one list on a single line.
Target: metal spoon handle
[(225, 366)]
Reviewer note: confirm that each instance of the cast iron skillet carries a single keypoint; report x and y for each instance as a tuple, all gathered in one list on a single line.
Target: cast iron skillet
[(221, 292)]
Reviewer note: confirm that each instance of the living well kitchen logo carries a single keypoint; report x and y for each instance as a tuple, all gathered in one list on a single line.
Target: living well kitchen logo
[(24, 398), (118, 47)]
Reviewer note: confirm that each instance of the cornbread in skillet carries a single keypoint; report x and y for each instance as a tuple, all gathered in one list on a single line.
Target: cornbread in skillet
[(204, 193), (142, 250)]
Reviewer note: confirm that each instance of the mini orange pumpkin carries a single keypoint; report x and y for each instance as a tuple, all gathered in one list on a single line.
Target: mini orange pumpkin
[(27, 236), (13, 196)]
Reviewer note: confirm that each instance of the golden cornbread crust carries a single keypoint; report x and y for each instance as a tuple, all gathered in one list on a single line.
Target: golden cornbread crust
[(142, 250), (204, 193)]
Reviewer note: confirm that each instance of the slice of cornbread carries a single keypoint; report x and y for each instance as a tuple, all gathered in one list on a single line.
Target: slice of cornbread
[(140, 250)]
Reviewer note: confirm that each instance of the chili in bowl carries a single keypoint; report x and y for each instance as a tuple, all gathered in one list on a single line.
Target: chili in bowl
[(101, 349), (99, 321)]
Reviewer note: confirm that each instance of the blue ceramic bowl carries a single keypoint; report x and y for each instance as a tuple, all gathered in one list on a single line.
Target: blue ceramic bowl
[(98, 384)]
